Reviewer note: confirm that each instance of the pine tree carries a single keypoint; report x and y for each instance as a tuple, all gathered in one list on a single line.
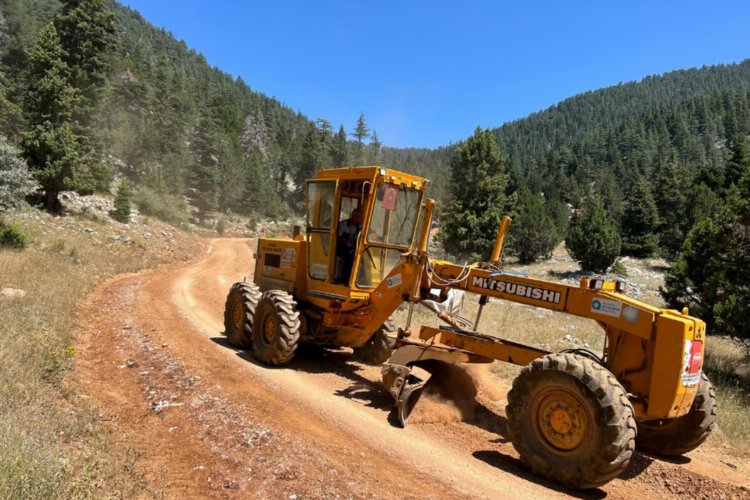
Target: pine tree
[(260, 195), (640, 222), (55, 153), (340, 149), (478, 201), (704, 202), (123, 200), (16, 182), (738, 161), (374, 149), (87, 36), (671, 202), (611, 195), (713, 269), (49, 97), (205, 172), (361, 132), (533, 235), (312, 159), (255, 134), (592, 239), (324, 133), (10, 114), (86, 29)]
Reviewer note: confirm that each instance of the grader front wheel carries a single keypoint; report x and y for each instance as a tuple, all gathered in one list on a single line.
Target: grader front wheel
[(276, 328), (378, 349), (571, 421), (677, 436), (239, 313)]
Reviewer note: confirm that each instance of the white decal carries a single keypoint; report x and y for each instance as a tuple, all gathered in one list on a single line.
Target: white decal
[(690, 379), (530, 292), (287, 257), (319, 271), (394, 280), (691, 363), (606, 307), (630, 314)]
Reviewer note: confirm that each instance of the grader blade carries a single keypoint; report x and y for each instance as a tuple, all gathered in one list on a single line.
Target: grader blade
[(405, 384), (408, 400), (446, 380)]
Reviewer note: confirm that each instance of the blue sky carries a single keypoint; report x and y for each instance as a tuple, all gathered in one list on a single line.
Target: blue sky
[(426, 73)]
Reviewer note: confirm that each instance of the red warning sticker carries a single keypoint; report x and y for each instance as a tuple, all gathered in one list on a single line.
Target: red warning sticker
[(390, 197), (692, 362)]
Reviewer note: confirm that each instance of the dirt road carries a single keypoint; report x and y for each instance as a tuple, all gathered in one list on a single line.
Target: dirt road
[(206, 420)]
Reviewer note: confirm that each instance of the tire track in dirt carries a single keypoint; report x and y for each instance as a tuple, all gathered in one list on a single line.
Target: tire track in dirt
[(319, 427)]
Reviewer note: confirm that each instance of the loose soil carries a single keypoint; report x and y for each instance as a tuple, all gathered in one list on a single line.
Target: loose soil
[(206, 420)]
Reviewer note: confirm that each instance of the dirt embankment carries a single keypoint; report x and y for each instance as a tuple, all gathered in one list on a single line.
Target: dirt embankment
[(206, 420)]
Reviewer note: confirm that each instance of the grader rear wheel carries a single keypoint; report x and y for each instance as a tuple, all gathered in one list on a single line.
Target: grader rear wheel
[(276, 329), (677, 436), (239, 312), (571, 420)]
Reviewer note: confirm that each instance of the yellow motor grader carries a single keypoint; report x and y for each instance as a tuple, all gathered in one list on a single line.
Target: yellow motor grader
[(574, 416)]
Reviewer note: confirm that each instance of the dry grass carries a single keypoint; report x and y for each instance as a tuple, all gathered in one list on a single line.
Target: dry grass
[(728, 366), (50, 445)]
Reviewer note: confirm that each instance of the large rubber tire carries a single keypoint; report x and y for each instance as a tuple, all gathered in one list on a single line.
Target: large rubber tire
[(677, 436), (571, 421), (239, 311), (378, 349), (276, 329)]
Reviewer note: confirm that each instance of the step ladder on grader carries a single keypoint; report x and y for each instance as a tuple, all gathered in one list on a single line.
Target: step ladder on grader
[(575, 417)]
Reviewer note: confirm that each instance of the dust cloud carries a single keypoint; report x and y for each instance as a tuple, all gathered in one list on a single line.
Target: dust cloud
[(450, 394)]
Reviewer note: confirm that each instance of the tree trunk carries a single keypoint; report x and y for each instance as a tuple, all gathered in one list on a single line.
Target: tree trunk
[(51, 203)]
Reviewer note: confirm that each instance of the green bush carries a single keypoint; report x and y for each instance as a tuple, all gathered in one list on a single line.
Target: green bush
[(164, 206), (221, 226), (16, 182), (11, 236)]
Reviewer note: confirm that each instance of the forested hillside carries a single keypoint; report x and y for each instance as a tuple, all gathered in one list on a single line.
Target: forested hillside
[(659, 155), (180, 129)]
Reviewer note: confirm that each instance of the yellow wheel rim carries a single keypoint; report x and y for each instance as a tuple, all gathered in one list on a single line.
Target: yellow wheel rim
[(563, 421), (269, 328)]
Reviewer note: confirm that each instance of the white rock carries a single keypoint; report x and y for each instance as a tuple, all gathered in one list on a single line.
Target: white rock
[(13, 293)]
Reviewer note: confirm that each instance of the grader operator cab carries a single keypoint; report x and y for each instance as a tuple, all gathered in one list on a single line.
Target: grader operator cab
[(572, 416)]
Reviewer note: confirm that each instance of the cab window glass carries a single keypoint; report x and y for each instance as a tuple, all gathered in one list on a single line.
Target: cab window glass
[(394, 215), (320, 200)]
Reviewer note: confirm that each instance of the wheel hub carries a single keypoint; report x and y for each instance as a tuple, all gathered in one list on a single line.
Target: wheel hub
[(562, 421), (269, 329)]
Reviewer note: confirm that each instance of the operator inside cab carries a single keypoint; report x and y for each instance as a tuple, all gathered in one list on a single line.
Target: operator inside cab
[(346, 245)]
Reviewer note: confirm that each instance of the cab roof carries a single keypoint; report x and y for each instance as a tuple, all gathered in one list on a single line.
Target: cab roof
[(372, 173)]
